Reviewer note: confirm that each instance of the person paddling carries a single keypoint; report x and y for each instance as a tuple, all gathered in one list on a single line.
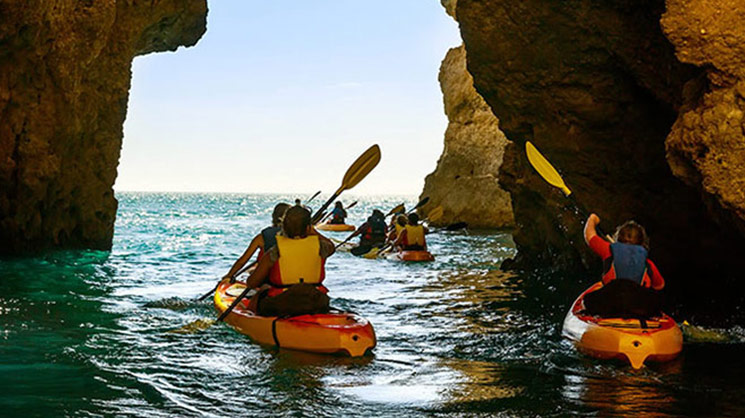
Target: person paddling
[(292, 272), (411, 237), (374, 230), (263, 241), (398, 225), (338, 214), (631, 281)]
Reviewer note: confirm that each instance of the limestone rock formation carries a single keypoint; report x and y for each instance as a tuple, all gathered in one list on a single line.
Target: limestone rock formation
[(465, 181), (643, 124), (65, 70)]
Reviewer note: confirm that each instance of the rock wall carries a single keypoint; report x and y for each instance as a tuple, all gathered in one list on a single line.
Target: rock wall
[(636, 130), (65, 70), (465, 181)]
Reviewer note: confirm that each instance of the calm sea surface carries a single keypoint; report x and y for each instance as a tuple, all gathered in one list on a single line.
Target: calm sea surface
[(455, 337)]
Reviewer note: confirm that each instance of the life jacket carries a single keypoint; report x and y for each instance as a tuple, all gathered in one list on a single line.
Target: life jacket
[(375, 230), (629, 262), (299, 262), (269, 235), (414, 236)]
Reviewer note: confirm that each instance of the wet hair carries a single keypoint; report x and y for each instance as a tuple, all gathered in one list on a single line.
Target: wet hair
[(296, 222), (279, 213), (413, 219), (631, 232), (338, 205), (402, 220)]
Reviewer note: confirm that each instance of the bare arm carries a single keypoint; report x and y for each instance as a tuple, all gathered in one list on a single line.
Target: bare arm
[(257, 242), (258, 276), (590, 227)]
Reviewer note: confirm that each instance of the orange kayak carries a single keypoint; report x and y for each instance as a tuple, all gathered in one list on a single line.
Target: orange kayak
[(335, 227), (632, 340), (332, 333), (415, 256)]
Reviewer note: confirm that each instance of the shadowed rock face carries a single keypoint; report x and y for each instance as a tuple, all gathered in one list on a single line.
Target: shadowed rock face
[(65, 70), (465, 181), (636, 130)]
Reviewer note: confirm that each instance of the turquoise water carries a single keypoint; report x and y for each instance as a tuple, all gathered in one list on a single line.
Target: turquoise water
[(455, 336)]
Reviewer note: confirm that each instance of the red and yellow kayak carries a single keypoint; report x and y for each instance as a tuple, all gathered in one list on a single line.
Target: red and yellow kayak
[(335, 227), (415, 256), (332, 333), (632, 340)]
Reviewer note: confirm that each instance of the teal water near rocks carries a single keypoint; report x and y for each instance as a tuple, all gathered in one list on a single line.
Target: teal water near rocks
[(85, 333)]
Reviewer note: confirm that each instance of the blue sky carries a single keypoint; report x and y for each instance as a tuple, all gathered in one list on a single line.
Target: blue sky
[(282, 96)]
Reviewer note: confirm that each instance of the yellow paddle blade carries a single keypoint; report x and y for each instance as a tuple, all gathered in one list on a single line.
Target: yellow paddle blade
[(194, 326), (372, 253), (398, 209), (361, 167), (435, 214), (545, 169)]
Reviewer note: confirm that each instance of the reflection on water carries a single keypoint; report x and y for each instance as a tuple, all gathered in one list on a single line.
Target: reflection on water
[(87, 332)]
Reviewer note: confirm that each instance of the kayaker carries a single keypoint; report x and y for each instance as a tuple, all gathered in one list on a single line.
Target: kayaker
[(397, 226), (411, 237), (292, 272), (631, 281), (263, 241), (394, 218), (374, 230), (338, 214)]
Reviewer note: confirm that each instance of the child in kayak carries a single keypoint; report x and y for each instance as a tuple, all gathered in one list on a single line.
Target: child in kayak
[(631, 282), (374, 230), (262, 242), (292, 272), (338, 214), (411, 237)]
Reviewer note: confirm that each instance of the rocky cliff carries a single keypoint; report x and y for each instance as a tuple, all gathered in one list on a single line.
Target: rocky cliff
[(65, 69), (465, 181), (639, 103)]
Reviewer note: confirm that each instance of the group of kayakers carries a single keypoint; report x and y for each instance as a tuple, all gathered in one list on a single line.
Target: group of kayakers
[(292, 253)]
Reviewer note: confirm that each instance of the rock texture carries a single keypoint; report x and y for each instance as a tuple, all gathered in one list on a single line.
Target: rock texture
[(642, 123), (65, 69), (465, 181)]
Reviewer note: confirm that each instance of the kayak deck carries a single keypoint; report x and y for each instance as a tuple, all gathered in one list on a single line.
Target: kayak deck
[(633, 340), (335, 227), (421, 255), (332, 333)]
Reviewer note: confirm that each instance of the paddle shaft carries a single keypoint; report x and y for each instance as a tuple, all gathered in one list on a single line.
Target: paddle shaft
[(312, 197), (241, 271)]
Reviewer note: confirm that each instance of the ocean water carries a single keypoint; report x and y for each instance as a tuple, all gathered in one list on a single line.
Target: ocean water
[(86, 333)]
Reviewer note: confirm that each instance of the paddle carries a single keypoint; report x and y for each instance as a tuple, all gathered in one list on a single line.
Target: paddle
[(552, 177), (358, 171), (312, 197), (351, 205), (241, 271)]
